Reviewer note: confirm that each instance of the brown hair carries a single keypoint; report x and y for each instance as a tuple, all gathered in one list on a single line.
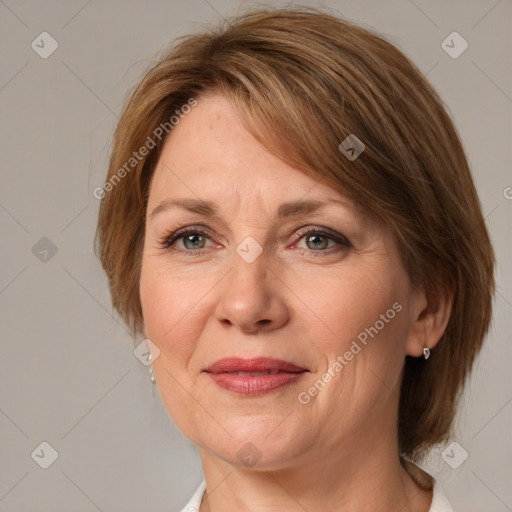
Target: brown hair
[(302, 81)]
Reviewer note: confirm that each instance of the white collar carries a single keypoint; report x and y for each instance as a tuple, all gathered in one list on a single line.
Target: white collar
[(439, 501)]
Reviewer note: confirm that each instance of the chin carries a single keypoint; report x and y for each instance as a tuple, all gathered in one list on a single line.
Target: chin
[(255, 444)]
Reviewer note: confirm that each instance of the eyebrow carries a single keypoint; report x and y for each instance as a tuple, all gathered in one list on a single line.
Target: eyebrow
[(206, 208), (209, 209)]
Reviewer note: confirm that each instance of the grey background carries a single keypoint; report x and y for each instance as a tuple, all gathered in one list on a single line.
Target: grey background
[(68, 375)]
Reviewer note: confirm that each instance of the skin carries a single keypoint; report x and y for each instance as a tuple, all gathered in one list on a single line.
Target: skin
[(304, 300)]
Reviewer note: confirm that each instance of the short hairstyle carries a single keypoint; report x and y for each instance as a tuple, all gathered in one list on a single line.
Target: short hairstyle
[(302, 81)]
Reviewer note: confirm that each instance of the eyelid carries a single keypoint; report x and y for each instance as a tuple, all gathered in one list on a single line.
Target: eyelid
[(171, 236), (320, 230)]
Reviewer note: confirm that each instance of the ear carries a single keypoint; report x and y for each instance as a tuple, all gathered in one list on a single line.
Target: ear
[(429, 318)]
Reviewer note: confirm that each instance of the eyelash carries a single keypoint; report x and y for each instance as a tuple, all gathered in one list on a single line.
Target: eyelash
[(168, 240)]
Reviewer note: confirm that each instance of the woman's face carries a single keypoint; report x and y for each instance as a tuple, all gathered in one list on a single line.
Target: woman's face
[(276, 265)]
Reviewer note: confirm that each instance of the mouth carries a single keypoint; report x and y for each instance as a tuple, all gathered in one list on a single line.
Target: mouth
[(253, 377)]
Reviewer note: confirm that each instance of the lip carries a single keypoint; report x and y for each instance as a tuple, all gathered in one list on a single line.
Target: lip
[(225, 373)]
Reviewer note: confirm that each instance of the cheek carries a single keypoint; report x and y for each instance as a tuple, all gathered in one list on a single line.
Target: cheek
[(172, 312), (365, 312), (366, 316), (347, 303), (173, 320)]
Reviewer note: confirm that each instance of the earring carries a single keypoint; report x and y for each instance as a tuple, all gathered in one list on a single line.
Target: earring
[(426, 352), (151, 375)]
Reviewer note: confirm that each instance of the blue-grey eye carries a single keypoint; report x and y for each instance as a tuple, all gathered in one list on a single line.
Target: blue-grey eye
[(317, 242), (194, 241)]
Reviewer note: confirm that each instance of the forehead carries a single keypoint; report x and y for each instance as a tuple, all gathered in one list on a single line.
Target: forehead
[(211, 145), (210, 156)]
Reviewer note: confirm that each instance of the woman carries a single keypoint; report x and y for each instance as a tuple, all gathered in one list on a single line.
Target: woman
[(290, 221)]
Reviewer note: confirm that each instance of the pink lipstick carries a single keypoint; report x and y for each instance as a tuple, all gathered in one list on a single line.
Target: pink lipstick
[(253, 377)]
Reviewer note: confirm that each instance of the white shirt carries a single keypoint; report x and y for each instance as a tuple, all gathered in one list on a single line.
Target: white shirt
[(439, 501)]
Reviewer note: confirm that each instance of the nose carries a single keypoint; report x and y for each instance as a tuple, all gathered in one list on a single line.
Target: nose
[(252, 298)]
